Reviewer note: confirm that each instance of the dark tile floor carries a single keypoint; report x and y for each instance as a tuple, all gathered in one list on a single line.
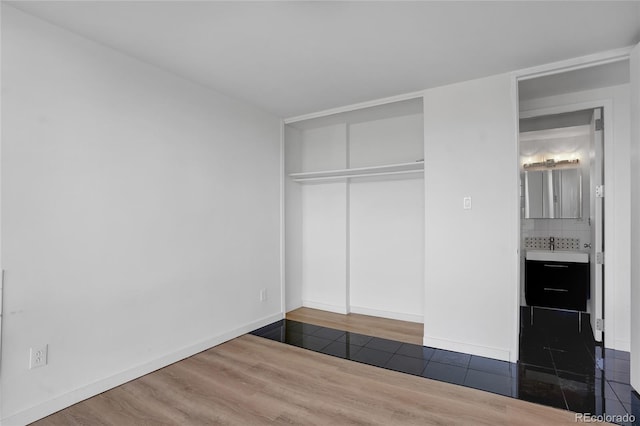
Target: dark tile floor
[(560, 364)]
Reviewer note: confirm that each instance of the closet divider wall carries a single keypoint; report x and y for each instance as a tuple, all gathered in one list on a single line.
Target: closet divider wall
[(355, 212)]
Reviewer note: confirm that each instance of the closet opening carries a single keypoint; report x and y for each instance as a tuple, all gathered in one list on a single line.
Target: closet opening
[(354, 212)]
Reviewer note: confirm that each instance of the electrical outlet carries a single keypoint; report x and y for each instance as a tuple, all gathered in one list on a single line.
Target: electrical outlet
[(263, 295), (466, 203), (38, 356)]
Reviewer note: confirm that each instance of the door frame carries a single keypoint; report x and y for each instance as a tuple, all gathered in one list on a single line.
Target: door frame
[(607, 106), (588, 61)]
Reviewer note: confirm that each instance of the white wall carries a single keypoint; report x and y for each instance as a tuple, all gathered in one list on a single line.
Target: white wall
[(387, 247), (470, 266), (293, 220), (635, 214), (324, 246), (324, 220), (617, 204), (386, 220), (386, 141), (140, 217)]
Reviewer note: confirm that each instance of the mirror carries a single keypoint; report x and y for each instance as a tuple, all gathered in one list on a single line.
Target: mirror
[(553, 194)]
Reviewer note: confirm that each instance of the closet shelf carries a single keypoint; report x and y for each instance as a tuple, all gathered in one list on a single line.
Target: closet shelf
[(388, 169)]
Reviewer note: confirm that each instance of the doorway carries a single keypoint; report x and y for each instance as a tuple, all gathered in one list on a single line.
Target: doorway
[(562, 224), (562, 220)]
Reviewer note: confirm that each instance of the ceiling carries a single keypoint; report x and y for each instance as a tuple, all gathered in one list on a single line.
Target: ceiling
[(293, 58)]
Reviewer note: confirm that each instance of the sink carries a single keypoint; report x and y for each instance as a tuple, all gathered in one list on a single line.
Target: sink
[(558, 256)]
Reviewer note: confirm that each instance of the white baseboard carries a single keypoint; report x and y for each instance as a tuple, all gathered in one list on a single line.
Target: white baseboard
[(62, 401), (387, 314), (294, 307), (325, 307), (485, 351), (622, 345)]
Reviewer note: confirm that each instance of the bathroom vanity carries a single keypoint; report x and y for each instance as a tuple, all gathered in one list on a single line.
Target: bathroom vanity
[(557, 279)]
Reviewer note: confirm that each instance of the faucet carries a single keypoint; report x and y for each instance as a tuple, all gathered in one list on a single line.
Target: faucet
[(552, 243)]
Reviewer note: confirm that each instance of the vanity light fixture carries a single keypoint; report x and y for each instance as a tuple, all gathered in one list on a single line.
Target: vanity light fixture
[(551, 163)]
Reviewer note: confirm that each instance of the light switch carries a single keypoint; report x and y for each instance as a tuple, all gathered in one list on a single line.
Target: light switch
[(466, 203)]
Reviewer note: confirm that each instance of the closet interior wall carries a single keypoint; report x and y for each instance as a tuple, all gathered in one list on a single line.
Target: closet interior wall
[(354, 213)]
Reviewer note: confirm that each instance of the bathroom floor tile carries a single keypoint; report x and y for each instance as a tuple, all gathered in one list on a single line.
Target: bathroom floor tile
[(314, 343), (634, 407), (452, 358), (602, 389), (341, 350), (275, 334), (445, 372), (372, 356), (502, 368), (489, 382), (268, 328), (293, 338), (613, 407), (540, 385), (616, 376), (623, 392), (579, 392), (354, 339), (616, 365), (574, 362), (301, 327), (406, 364), (383, 345), (612, 353), (416, 351), (328, 333)]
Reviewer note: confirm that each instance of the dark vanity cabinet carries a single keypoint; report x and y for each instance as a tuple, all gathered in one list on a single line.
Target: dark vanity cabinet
[(562, 285)]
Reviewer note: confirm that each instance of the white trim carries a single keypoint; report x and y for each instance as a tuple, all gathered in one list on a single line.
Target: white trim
[(622, 345), (355, 175), (283, 299), (353, 107), (65, 400), (325, 307), (294, 307), (600, 58), (347, 192), (467, 348), (609, 179), (515, 343), (387, 314), (607, 103), (357, 171)]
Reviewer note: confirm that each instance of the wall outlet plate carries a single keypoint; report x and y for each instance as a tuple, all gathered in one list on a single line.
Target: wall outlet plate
[(263, 295), (466, 203), (38, 356)]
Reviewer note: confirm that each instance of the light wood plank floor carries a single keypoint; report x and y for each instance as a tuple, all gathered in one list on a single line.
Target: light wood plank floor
[(251, 381), (402, 331)]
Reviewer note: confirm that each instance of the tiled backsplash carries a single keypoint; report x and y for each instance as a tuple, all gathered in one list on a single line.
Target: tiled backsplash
[(572, 229), (544, 243)]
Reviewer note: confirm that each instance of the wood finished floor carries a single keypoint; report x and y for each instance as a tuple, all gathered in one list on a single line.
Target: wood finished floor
[(251, 380), (401, 331)]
